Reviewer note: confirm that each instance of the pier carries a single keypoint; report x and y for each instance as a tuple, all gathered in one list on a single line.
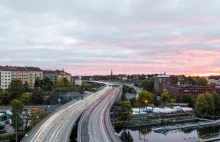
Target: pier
[(200, 124)]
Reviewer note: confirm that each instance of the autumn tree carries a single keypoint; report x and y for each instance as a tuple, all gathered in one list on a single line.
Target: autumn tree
[(165, 97), (145, 98)]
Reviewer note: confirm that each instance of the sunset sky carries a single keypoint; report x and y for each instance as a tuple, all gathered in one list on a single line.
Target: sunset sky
[(87, 37)]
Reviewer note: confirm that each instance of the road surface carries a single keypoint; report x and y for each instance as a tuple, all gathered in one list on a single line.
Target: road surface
[(95, 124), (58, 126)]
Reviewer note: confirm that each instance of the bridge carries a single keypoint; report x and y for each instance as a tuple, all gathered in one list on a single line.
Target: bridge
[(57, 126), (95, 124)]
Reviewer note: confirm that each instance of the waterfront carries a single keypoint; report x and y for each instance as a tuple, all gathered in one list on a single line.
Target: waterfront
[(190, 135)]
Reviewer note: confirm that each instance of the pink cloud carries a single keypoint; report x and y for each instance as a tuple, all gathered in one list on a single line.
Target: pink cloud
[(213, 41), (183, 40)]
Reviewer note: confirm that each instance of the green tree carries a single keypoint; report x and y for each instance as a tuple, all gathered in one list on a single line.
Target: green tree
[(1, 96), (132, 101), (216, 98), (165, 97), (26, 87), (145, 98), (204, 104), (66, 82), (188, 99), (123, 97), (125, 111), (17, 109), (25, 98), (201, 82), (148, 85), (16, 88)]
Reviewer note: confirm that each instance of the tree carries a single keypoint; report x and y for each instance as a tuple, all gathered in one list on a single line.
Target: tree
[(66, 82), (123, 97), (25, 98), (148, 85), (36, 115), (188, 99), (165, 96), (1, 96), (204, 104), (60, 82), (16, 88), (145, 98), (26, 87), (216, 98), (126, 137), (37, 83), (37, 97), (201, 82), (125, 111), (17, 109)]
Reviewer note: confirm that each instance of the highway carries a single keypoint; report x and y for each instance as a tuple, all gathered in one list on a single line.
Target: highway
[(57, 127), (95, 124)]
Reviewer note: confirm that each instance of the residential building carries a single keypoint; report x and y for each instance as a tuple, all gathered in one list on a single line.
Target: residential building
[(161, 82), (52, 75), (5, 77), (33, 74), (20, 73), (63, 74), (195, 91)]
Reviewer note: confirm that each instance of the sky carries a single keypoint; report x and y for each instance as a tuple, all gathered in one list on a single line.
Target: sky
[(91, 37)]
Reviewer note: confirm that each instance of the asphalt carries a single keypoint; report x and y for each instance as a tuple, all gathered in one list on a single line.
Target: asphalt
[(95, 124), (57, 127)]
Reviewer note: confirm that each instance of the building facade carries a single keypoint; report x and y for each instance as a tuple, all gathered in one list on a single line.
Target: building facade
[(63, 74), (161, 82), (20, 73), (195, 91), (52, 75), (5, 77), (33, 74)]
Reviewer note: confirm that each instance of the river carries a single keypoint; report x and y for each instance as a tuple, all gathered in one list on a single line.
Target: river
[(188, 135)]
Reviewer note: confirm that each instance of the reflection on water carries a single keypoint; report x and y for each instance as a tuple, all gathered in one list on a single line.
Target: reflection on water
[(184, 135)]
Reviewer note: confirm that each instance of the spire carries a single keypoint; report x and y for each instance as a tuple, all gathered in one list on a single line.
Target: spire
[(111, 72)]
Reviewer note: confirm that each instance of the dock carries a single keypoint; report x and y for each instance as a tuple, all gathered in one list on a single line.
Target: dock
[(200, 124)]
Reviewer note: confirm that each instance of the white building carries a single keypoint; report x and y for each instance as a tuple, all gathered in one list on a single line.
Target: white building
[(5, 77)]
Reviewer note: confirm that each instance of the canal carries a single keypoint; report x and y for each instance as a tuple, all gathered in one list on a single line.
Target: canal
[(146, 134)]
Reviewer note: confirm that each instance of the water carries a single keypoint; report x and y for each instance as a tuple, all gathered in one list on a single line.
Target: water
[(188, 135)]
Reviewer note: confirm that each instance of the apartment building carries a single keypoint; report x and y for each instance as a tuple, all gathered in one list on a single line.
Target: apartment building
[(33, 74), (63, 74), (52, 75), (5, 77), (20, 73), (161, 82)]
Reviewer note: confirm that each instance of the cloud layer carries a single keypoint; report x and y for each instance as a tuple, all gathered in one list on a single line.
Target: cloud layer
[(93, 37)]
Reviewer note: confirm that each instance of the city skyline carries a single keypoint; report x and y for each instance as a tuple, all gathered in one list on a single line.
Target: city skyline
[(91, 38)]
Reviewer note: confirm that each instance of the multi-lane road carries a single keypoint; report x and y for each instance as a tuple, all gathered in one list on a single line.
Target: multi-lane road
[(57, 127), (95, 124)]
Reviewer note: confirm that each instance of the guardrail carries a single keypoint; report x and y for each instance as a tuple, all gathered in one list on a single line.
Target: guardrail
[(39, 124)]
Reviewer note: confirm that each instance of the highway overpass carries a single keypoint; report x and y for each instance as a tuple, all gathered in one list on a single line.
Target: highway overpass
[(57, 127), (95, 124)]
